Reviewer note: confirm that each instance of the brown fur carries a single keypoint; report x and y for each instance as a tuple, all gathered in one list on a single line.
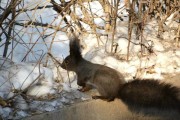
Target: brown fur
[(111, 84)]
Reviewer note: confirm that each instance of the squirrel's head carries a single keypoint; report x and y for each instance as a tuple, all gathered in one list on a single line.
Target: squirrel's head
[(69, 63)]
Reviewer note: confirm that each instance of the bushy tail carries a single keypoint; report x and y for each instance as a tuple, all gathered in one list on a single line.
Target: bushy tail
[(150, 93)]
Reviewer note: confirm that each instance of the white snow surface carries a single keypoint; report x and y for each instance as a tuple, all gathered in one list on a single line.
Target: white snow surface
[(54, 88)]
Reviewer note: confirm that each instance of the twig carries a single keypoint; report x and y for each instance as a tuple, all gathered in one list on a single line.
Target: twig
[(41, 7), (114, 22), (54, 58)]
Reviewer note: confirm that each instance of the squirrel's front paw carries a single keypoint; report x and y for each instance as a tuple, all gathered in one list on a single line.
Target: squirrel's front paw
[(81, 90)]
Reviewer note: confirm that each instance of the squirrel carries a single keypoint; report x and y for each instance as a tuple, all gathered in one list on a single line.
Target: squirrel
[(105, 79), (111, 83)]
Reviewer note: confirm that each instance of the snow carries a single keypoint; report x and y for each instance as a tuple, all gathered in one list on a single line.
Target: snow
[(56, 87), (40, 90), (94, 7), (5, 87), (23, 75), (66, 87)]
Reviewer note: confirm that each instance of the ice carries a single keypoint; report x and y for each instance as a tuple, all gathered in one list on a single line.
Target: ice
[(21, 114), (54, 103), (49, 108), (20, 103), (5, 112)]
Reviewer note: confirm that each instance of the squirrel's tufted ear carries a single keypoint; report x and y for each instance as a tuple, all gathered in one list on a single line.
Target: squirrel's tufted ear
[(74, 45)]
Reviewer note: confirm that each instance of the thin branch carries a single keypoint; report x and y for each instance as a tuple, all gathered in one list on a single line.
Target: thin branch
[(54, 58), (36, 8), (47, 25)]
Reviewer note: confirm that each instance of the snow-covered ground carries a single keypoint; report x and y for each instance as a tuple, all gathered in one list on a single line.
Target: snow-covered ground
[(30, 88)]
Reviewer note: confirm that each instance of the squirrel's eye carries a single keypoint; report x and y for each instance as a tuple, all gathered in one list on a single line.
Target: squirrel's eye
[(67, 62)]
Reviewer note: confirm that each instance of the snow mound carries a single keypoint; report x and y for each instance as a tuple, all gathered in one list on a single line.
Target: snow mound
[(23, 76)]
